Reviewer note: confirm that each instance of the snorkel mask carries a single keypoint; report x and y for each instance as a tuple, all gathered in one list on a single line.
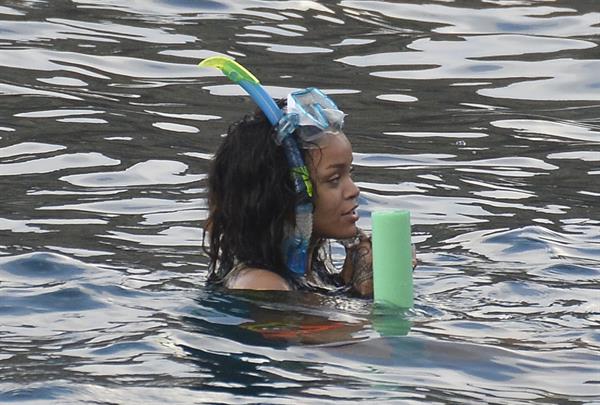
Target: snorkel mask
[(316, 115), (309, 114)]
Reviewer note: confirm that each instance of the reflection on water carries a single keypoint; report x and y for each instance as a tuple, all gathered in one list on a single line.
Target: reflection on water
[(479, 117)]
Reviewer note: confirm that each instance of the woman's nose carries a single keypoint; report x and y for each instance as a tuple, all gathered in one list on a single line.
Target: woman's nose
[(353, 190)]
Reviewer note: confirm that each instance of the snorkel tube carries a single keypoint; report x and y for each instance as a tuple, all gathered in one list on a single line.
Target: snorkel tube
[(242, 76), (295, 246)]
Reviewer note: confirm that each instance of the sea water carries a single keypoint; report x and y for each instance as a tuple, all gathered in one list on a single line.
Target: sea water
[(479, 117)]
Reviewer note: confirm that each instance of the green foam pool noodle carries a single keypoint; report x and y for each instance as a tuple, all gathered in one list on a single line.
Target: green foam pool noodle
[(392, 259)]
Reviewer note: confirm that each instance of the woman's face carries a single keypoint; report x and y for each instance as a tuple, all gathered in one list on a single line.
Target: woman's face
[(336, 194)]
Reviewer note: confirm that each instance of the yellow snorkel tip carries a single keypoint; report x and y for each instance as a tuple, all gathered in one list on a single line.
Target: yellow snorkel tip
[(230, 68)]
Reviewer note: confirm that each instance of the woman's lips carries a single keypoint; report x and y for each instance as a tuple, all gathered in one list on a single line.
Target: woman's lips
[(351, 211), (352, 214)]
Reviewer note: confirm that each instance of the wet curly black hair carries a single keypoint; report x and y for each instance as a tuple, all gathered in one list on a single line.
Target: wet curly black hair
[(251, 200)]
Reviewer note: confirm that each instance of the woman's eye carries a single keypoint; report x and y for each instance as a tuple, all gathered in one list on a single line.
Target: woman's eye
[(334, 179)]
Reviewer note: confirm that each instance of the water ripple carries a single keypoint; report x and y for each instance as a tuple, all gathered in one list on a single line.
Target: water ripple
[(537, 20), (144, 173), (56, 163), (90, 65), (481, 118), (59, 28)]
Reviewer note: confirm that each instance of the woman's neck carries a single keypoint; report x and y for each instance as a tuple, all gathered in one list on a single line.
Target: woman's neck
[(313, 248)]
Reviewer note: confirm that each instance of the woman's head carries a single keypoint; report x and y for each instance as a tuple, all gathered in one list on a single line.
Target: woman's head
[(252, 198)]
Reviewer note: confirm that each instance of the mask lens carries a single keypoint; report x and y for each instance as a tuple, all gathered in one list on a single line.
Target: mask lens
[(316, 113)]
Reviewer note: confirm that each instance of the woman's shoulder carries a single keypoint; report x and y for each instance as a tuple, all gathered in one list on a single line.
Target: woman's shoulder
[(254, 278)]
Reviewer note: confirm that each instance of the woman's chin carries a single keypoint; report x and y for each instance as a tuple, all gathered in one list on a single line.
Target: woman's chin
[(351, 233), (345, 234)]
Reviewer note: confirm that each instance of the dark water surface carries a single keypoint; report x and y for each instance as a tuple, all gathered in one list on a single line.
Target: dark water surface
[(480, 117)]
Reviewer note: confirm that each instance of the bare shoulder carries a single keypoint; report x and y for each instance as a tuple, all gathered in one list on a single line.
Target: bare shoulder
[(252, 278)]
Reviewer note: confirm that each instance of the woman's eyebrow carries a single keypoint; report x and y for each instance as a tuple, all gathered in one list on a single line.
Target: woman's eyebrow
[(338, 165)]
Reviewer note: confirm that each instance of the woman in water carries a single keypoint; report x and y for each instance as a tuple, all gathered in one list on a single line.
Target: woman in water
[(252, 199), (279, 188)]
